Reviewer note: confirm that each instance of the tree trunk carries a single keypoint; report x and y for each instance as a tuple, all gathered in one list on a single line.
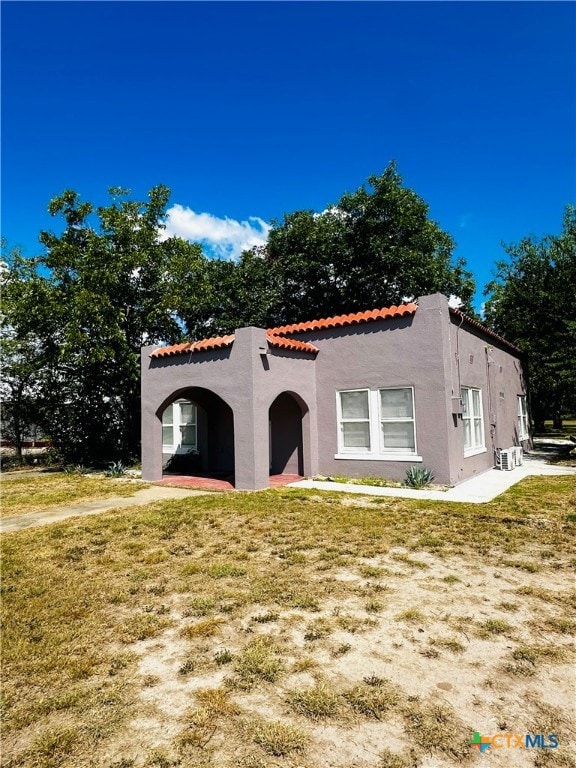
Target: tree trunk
[(557, 421), (539, 427)]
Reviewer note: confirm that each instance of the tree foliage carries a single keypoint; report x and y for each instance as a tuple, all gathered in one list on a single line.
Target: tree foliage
[(375, 247), (532, 302), (109, 282), (104, 287)]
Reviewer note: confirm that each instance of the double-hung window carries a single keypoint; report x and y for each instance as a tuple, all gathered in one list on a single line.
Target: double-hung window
[(397, 425), (355, 420), (377, 424), (180, 428), (523, 432), (473, 420)]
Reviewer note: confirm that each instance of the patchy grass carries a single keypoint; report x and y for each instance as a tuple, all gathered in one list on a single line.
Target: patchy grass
[(372, 699), (279, 739), (21, 495), (317, 703), (260, 661), (237, 630)]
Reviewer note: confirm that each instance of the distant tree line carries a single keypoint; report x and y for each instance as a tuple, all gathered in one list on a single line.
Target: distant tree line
[(75, 317), (532, 302)]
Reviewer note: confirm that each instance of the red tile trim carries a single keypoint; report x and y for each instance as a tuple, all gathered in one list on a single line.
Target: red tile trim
[(342, 320)]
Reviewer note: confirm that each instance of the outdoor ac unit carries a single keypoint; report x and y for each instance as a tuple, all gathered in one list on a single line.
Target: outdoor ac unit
[(518, 455), (505, 459)]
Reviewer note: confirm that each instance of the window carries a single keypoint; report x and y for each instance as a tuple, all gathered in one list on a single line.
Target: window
[(179, 427), (377, 424), (397, 420), (523, 432), (473, 420), (355, 420)]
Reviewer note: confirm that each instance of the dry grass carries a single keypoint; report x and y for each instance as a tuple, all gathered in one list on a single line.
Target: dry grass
[(21, 495), (237, 630)]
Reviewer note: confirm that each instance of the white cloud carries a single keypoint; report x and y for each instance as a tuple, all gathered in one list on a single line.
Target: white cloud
[(455, 302), (224, 238)]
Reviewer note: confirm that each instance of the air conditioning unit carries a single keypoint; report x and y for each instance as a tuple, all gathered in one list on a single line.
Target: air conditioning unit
[(518, 455), (505, 459)]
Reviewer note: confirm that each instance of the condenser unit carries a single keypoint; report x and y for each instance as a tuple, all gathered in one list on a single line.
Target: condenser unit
[(505, 459), (518, 455)]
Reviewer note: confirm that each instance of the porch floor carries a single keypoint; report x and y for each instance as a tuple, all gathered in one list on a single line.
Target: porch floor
[(219, 484)]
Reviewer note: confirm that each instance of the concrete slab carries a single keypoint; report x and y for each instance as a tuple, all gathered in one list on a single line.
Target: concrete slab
[(476, 490), (56, 514)]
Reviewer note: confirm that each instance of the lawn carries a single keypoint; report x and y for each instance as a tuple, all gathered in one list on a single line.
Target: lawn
[(291, 628), (26, 493)]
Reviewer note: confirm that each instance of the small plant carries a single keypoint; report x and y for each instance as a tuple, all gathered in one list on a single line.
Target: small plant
[(223, 656), (259, 661), (316, 703), (372, 700), (411, 615), (342, 649), (75, 469), (279, 739), (186, 668), (263, 618), (494, 627), (116, 469), (418, 477)]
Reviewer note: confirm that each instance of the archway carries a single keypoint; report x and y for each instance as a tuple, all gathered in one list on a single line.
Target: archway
[(197, 435), (285, 436)]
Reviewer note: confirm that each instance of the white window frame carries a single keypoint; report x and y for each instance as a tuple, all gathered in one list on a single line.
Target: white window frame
[(377, 451), (177, 428), (469, 415), (523, 428)]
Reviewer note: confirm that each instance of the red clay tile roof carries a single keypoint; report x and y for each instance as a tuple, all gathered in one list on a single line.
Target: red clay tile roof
[(342, 320), (273, 335), (203, 345), (475, 324), (300, 346)]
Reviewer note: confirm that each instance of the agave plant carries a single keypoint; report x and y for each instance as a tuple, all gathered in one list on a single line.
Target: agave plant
[(418, 477), (116, 469)]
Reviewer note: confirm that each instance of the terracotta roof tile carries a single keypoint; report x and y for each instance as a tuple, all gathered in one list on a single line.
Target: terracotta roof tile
[(300, 346), (274, 335), (203, 345), (475, 324), (342, 320)]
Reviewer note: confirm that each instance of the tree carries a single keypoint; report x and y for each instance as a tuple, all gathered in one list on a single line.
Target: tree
[(105, 286), (532, 304), (374, 247)]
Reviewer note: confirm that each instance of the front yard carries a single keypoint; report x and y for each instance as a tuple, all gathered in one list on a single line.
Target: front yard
[(290, 628), (23, 494)]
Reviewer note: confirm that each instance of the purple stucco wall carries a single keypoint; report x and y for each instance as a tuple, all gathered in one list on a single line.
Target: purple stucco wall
[(429, 351), (248, 383)]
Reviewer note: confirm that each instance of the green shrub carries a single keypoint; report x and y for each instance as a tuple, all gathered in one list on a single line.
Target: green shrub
[(418, 477), (116, 469)]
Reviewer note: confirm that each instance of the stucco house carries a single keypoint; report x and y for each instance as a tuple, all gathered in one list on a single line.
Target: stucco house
[(365, 394)]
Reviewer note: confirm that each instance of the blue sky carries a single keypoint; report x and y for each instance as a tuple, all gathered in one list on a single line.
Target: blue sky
[(248, 111)]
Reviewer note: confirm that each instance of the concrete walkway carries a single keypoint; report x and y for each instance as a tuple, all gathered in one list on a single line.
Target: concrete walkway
[(476, 490), (56, 514)]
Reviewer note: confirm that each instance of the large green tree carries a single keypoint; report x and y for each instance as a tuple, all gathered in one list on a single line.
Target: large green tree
[(532, 302), (372, 248), (107, 284)]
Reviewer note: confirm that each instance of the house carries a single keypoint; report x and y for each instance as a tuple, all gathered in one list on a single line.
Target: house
[(364, 394)]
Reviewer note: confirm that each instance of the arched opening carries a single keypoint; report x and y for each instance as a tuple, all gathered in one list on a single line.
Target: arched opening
[(285, 425), (197, 435)]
